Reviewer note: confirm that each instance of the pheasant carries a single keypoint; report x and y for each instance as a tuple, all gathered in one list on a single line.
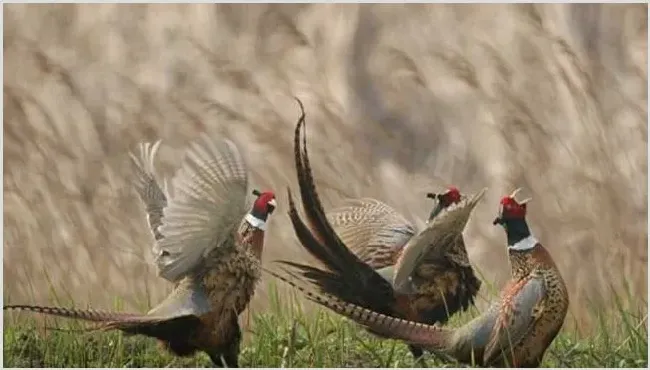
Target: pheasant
[(424, 277), (205, 243), (514, 331), (380, 236)]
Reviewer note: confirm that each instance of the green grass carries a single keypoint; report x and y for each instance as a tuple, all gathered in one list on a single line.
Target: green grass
[(285, 336)]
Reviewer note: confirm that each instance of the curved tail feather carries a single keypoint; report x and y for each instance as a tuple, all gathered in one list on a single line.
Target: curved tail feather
[(357, 281), (319, 225)]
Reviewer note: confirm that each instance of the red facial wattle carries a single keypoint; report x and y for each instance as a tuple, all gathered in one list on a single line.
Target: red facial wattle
[(512, 209), (453, 195), (264, 204)]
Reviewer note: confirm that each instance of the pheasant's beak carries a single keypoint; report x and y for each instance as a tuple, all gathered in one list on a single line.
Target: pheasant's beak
[(435, 212), (272, 204), (497, 221)]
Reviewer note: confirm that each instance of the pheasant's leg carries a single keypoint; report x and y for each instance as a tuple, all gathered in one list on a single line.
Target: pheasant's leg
[(227, 355), (447, 359), (232, 351), (418, 353)]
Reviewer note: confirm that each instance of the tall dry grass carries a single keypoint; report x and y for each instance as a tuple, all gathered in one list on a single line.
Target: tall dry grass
[(401, 99)]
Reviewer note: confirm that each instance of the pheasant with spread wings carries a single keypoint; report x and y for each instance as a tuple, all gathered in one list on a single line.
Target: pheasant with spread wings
[(205, 243), (376, 259)]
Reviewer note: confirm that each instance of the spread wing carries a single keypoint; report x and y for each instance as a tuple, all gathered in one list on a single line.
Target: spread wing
[(151, 194), (521, 308), (441, 231), (372, 230), (209, 202)]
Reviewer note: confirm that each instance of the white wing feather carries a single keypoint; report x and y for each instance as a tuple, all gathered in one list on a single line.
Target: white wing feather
[(145, 184), (209, 202)]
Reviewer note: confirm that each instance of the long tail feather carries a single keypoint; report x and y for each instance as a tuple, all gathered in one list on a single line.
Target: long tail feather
[(309, 240), (73, 313), (158, 327), (358, 278), (301, 173), (328, 282), (387, 326), (341, 258)]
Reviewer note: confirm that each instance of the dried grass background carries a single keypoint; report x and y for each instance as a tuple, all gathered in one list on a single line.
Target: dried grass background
[(400, 100)]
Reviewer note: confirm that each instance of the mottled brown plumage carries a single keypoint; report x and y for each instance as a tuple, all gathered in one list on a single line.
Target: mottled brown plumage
[(205, 243), (514, 331), (377, 259)]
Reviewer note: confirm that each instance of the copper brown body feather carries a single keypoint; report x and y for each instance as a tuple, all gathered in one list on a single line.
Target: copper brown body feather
[(515, 331), (203, 244), (443, 281)]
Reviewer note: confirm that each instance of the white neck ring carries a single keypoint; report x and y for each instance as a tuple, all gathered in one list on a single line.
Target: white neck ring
[(255, 222), (524, 244)]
